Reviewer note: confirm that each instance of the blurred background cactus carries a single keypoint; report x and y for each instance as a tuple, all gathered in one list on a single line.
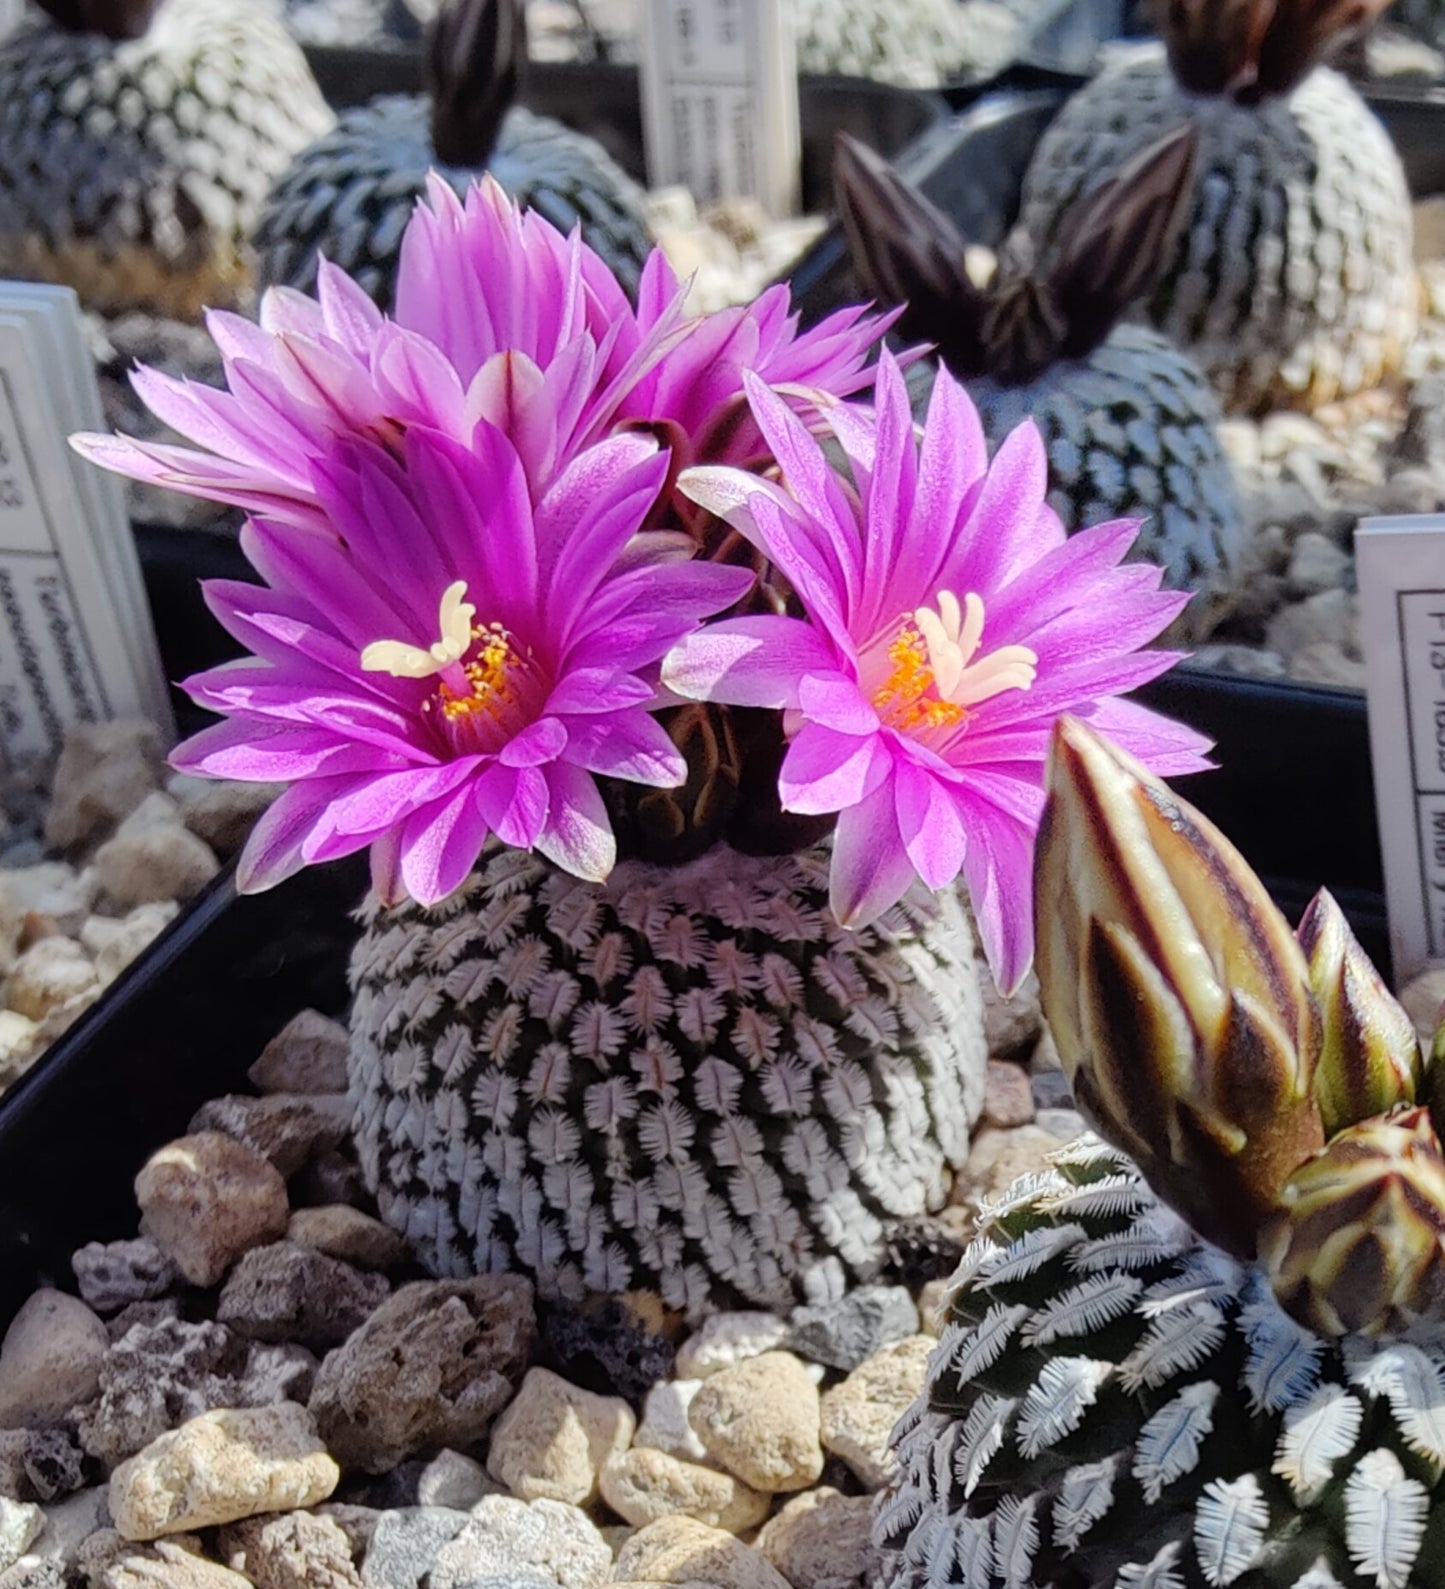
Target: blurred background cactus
[(1129, 421), (1292, 279), (350, 194), (137, 141), (1247, 1394)]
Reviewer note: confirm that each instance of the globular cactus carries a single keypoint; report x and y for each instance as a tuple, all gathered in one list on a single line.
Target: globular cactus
[(137, 142), (1129, 421), (348, 196), (1292, 279), (1209, 1350)]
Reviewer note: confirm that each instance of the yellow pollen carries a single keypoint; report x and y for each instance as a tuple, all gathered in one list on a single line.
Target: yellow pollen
[(492, 691)]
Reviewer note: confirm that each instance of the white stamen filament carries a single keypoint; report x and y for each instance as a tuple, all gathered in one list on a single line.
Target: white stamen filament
[(404, 661), (952, 636)]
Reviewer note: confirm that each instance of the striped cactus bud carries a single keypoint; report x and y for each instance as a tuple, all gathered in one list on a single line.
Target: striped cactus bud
[(1370, 1056), (1358, 1246), (1177, 995)]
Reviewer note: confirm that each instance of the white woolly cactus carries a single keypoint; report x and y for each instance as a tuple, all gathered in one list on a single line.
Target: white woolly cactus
[(1218, 1358)]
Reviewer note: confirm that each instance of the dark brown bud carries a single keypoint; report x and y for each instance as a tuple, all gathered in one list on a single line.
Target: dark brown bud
[(475, 57)]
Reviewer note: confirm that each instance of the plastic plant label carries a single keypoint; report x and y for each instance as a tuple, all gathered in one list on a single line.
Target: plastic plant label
[(720, 100), (1401, 568), (75, 637)]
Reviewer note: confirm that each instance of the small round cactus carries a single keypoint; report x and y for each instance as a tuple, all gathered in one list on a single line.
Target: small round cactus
[(349, 196), (137, 143), (1292, 279), (1129, 421), (1211, 1349)]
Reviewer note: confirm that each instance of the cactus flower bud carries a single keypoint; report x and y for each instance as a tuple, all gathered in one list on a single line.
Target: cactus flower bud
[(1178, 997), (1370, 1057), (1358, 1246)]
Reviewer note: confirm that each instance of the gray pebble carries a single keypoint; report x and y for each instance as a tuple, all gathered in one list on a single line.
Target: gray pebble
[(845, 1333), (406, 1543)]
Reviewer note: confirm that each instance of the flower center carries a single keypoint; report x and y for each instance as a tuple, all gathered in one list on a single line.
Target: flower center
[(924, 675), (488, 686)]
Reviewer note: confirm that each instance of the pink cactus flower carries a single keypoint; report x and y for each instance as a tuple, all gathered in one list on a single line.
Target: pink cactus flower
[(949, 621)]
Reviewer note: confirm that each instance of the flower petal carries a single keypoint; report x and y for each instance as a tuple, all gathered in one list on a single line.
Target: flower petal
[(871, 871)]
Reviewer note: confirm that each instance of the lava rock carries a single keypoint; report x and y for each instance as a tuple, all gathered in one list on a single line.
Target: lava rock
[(52, 1463), (284, 1292), (280, 1371), (288, 1129), (297, 1550), (432, 1367), (51, 975), (606, 1351), (847, 1332), (170, 1566), (156, 1377), (921, 1250), (112, 1275)]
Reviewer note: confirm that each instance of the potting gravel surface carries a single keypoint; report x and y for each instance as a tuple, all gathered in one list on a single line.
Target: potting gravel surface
[(260, 1388), (97, 855)]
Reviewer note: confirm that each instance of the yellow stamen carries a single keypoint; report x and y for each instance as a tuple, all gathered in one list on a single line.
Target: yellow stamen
[(491, 689), (934, 678)]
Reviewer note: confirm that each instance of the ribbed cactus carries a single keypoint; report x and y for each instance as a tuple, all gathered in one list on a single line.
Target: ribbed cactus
[(688, 1079), (1212, 1350), (135, 150), (350, 194), (1129, 421), (1292, 278)]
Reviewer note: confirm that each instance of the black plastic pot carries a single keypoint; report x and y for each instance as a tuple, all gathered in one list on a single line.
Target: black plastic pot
[(604, 101), (179, 1027)]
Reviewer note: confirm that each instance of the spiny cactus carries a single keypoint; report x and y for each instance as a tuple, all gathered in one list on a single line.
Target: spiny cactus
[(1292, 278), (1248, 1394), (350, 194), (688, 1079), (1129, 421), (137, 142)]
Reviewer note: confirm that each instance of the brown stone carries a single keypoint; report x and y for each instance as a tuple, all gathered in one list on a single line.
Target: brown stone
[(824, 1540), (50, 1360), (346, 1233), (308, 1055), (206, 1199)]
